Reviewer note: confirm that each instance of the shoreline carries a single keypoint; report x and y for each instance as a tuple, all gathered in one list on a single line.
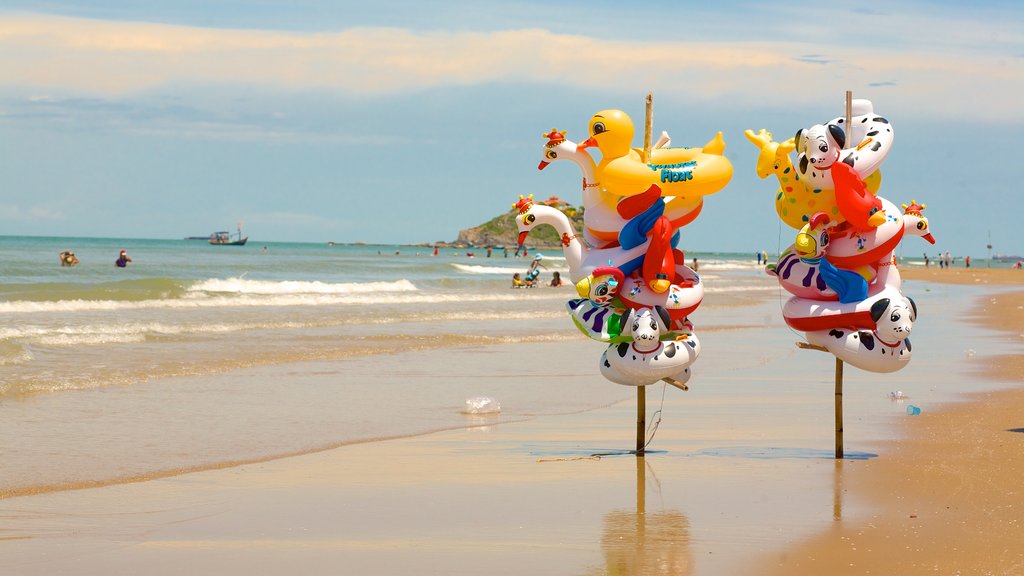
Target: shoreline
[(942, 497)]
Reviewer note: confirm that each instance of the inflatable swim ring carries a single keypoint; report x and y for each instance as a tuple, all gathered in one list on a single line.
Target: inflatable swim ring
[(684, 173), (648, 359), (819, 147)]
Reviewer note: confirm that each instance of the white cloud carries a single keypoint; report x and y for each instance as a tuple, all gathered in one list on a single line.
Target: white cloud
[(30, 214), (51, 54), (226, 132)]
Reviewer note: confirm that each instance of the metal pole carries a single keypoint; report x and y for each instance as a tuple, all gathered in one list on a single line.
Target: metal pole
[(641, 419), (839, 409)]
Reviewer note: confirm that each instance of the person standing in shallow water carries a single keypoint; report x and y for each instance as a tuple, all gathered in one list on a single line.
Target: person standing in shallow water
[(122, 260)]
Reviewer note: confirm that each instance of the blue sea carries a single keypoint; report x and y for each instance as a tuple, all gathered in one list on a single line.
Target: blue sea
[(196, 355)]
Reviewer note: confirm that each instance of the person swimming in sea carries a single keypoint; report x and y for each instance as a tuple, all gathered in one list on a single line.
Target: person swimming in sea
[(68, 258), (123, 260)]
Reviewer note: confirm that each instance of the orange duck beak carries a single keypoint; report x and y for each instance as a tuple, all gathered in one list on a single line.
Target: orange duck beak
[(588, 143), (877, 219)]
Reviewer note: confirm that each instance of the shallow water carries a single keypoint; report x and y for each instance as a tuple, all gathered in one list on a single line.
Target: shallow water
[(199, 356)]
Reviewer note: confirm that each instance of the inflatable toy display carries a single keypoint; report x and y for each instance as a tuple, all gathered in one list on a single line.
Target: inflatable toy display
[(841, 269), (636, 293)]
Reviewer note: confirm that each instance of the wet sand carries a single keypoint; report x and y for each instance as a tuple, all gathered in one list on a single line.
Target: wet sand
[(947, 499)]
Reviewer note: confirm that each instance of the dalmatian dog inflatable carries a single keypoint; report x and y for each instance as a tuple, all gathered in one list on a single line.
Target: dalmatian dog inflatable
[(885, 347), (647, 359), (869, 138)]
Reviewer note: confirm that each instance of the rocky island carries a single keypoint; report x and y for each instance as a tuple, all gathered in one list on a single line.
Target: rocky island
[(502, 231)]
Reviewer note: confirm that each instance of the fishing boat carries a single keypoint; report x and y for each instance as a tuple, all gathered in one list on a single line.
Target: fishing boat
[(223, 238)]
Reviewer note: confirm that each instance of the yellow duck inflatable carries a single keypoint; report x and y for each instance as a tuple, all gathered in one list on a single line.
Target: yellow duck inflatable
[(688, 174)]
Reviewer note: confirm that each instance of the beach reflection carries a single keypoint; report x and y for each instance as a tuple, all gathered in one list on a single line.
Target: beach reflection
[(635, 542), (837, 491)]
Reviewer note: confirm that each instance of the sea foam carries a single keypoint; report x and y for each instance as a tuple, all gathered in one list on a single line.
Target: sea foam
[(504, 270), (244, 286), (241, 293)]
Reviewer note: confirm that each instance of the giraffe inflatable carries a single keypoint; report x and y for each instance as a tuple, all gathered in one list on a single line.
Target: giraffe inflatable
[(796, 200)]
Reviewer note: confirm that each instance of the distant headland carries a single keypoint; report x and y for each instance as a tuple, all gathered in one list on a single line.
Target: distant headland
[(502, 231)]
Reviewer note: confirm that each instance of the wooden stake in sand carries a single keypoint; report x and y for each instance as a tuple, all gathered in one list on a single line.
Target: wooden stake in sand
[(806, 346), (641, 392), (849, 118), (839, 363), (648, 128)]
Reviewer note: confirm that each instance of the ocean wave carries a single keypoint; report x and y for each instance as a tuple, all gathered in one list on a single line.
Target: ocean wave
[(244, 286), (503, 270), (12, 353), (124, 332), (546, 256), (199, 299), (121, 290), (90, 339)]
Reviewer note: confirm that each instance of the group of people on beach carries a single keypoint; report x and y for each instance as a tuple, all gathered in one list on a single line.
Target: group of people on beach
[(68, 259), (529, 280), (945, 260), (519, 282)]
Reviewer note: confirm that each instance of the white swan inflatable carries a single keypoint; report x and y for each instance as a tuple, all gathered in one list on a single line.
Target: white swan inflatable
[(580, 258)]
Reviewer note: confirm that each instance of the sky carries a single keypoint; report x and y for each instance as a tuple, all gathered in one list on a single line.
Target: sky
[(404, 122)]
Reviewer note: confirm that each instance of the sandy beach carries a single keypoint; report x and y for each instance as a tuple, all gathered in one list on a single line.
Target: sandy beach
[(947, 498), (740, 478)]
